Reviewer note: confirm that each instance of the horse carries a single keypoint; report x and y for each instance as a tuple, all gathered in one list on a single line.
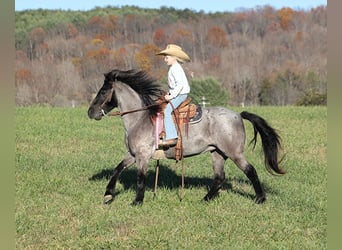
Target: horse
[(220, 131)]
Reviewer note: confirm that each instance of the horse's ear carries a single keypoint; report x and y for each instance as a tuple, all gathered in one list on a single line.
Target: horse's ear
[(114, 74), (109, 76)]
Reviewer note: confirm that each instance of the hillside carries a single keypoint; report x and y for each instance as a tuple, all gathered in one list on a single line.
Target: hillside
[(260, 56)]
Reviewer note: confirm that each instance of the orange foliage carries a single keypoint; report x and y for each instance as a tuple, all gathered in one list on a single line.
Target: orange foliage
[(143, 61), (273, 27), (21, 56), (159, 37), (181, 35), (99, 54), (240, 17), (184, 33), (285, 16), (76, 61), (97, 42), (217, 37), (44, 47), (146, 57), (104, 37), (72, 31), (95, 20), (299, 36), (106, 25), (150, 50), (111, 22), (23, 75)]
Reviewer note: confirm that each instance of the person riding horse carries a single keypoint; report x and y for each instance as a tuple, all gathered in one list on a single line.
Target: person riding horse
[(220, 131), (179, 89)]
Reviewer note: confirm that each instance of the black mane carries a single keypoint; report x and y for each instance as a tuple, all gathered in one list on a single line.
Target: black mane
[(141, 82)]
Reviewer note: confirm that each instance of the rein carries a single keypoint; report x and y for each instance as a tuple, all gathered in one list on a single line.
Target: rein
[(181, 149), (129, 111)]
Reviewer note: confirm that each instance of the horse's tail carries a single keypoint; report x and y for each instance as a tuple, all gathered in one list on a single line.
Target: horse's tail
[(270, 141)]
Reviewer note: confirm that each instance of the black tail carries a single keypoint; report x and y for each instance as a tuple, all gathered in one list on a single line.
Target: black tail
[(270, 141)]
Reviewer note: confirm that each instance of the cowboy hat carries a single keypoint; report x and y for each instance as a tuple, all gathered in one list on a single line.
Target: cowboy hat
[(175, 50)]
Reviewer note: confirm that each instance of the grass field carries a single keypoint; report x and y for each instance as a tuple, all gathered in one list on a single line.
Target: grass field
[(63, 161)]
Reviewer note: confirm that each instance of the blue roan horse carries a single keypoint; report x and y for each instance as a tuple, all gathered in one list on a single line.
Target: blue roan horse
[(220, 132)]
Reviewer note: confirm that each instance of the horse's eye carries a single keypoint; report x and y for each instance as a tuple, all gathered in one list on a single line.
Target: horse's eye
[(104, 91)]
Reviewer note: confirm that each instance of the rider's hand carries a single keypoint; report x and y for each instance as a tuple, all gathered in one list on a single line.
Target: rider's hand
[(168, 97)]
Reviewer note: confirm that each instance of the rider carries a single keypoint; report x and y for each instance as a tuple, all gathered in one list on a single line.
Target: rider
[(179, 88)]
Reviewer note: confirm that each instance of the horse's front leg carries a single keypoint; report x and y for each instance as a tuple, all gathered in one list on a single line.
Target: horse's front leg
[(110, 189), (141, 181)]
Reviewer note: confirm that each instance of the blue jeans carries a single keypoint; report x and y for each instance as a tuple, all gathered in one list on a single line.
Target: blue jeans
[(170, 128)]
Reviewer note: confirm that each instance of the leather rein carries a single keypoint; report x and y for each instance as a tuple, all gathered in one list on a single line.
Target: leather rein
[(116, 113)]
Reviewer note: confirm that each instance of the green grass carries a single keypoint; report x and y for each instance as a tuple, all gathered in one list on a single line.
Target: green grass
[(63, 161)]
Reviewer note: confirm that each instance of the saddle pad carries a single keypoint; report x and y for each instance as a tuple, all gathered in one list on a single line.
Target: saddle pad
[(198, 115)]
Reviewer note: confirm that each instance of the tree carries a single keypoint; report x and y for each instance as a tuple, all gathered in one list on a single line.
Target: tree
[(285, 16), (36, 38), (210, 89), (217, 37), (146, 58), (159, 37)]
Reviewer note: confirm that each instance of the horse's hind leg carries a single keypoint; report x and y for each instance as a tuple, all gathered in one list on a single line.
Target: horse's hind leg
[(219, 175), (252, 175), (125, 163)]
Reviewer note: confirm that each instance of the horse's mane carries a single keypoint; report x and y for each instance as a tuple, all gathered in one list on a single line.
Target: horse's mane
[(142, 83)]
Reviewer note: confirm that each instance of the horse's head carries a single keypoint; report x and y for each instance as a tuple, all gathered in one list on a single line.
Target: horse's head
[(105, 99)]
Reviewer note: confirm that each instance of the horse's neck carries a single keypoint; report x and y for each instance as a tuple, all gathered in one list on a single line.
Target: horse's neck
[(129, 101)]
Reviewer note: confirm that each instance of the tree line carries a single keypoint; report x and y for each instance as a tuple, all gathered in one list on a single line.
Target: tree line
[(258, 56)]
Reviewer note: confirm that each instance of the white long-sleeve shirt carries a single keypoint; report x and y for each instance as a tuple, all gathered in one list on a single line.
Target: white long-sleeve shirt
[(177, 81)]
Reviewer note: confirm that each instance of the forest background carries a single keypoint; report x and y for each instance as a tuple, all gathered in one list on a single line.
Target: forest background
[(258, 56)]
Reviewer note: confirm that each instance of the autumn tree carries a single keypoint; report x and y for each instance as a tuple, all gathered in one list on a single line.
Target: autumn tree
[(146, 58), (217, 37), (159, 37), (36, 39), (285, 18)]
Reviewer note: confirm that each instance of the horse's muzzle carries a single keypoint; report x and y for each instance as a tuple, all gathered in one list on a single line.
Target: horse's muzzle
[(95, 114)]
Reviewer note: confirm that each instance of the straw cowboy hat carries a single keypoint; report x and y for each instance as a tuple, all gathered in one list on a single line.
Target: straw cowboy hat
[(175, 50)]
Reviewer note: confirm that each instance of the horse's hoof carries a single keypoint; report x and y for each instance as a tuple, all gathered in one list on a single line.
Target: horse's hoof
[(210, 197), (137, 203), (206, 198), (107, 199), (260, 199)]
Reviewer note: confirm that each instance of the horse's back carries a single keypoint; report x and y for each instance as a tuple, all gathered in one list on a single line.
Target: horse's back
[(219, 128), (224, 115), (227, 131)]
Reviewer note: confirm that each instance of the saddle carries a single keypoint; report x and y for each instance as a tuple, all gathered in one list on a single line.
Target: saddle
[(186, 113)]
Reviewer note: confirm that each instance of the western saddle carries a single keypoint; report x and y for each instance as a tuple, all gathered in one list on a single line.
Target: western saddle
[(185, 114)]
